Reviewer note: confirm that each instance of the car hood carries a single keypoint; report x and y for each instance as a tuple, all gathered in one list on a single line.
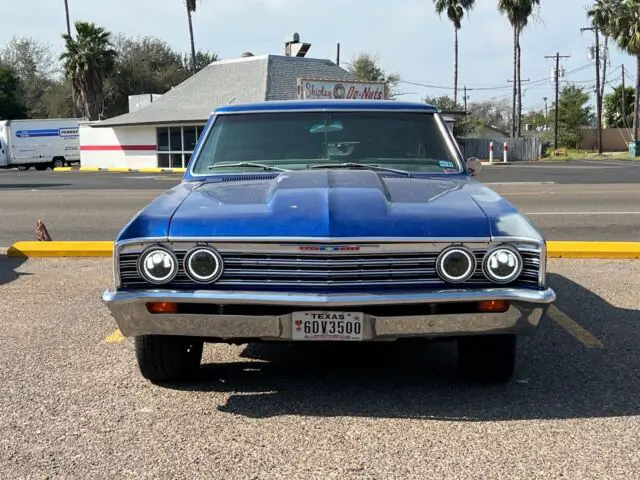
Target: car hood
[(331, 203)]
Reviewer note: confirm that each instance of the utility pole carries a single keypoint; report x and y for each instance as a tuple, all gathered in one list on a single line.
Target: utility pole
[(465, 98), (598, 96), (338, 54), (556, 77), (546, 113), (623, 98)]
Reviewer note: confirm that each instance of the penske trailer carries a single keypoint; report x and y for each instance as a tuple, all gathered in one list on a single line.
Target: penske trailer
[(42, 144)]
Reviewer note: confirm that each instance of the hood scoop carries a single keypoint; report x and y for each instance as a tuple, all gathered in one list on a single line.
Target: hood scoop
[(244, 178), (330, 203)]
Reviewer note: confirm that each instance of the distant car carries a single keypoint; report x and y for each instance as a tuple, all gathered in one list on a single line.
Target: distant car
[(304, 221)]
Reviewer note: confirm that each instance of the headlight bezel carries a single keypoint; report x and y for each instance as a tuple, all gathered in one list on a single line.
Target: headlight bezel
[(512, 277), (149, 278), (214, 254), (450, 250)]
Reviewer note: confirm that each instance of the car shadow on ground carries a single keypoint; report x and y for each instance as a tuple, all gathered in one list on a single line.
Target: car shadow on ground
[(9, 267), (557, 377)]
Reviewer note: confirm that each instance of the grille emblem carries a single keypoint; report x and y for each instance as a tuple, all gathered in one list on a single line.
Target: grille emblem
[(329, 248)]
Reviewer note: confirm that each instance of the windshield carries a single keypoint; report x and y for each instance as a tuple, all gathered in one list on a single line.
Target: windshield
[(300, 140)]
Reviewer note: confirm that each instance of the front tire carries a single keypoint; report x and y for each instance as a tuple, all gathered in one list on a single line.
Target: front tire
[(58, 162), (163, 358), (490, 358)]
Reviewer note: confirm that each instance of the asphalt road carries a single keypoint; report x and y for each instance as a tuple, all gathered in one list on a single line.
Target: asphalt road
[(565, 173), (74, 405), (567, 201)]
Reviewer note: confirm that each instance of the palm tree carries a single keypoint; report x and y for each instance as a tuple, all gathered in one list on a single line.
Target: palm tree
[(620, 20), (88, 60), (73, 90), (627, 36), (455, 11), (601, 14), (191, 7), (605, 60), (518, 13)]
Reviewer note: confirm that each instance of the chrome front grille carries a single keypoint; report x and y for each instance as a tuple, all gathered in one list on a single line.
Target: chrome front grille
[(327, 271)]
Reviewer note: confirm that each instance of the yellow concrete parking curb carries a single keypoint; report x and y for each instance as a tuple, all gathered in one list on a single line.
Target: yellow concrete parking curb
[(606, 250), (625, 250), (61, 249)]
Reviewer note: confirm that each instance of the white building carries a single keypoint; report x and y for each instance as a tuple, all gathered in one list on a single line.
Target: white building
[(164, 132)]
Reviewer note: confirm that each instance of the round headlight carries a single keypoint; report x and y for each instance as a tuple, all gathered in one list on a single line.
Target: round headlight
[(503, 265), (158, 265), (203, 265), (456, 264)]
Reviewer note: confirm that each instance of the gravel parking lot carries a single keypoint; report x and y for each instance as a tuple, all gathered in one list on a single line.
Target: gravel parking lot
[(74, 405)]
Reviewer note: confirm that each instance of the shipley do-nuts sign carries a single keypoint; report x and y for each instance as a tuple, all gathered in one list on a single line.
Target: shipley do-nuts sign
[(310, 89)]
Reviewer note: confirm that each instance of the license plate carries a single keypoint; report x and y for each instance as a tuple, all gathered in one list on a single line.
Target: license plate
[(329, 326)]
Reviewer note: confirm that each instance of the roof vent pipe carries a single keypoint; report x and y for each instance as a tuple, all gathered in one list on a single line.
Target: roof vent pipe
[(294, 48)]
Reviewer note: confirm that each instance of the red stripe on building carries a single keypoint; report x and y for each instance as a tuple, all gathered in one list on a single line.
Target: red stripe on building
[(104, 148)]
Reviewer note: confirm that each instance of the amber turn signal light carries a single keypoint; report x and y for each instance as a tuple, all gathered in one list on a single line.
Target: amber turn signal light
[(493, 306), (162, 307)]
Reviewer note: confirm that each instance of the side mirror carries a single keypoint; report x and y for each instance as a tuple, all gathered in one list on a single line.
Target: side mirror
[(473, 166)]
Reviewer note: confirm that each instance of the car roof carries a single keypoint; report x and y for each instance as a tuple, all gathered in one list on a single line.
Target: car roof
[(289, 105)]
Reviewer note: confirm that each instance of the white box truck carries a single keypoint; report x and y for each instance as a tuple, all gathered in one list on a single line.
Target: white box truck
[(42, 144)]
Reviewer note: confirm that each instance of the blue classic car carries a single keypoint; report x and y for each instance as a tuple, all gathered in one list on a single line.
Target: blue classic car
[(329, 221)]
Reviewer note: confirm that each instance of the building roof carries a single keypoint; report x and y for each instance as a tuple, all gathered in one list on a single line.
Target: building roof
[(244, 79), (493, 128)]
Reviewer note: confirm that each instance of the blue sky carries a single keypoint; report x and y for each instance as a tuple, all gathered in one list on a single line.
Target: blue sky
[(409, 39)]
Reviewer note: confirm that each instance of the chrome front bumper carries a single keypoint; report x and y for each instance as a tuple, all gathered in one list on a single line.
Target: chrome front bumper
[(130, 313)]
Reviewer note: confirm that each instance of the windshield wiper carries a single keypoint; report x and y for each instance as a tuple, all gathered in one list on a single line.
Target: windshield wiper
[(362, 165), (248, 164)]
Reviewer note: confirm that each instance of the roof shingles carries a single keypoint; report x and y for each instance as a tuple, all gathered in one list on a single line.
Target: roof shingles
[(246, 79), (283, 73)]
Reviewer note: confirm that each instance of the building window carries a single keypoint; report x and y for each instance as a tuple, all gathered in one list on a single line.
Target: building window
[(176, 145)]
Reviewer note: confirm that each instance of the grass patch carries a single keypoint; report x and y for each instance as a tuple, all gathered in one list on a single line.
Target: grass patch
[(564, 154)]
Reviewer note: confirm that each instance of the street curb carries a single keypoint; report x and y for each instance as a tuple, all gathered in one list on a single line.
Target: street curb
[(120, 170), (615, 250), (61, 249), (594, 250)]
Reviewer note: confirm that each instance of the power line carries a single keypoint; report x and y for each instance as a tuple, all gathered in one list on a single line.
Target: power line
[(530, 84), (539, 106), (629, 76)]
